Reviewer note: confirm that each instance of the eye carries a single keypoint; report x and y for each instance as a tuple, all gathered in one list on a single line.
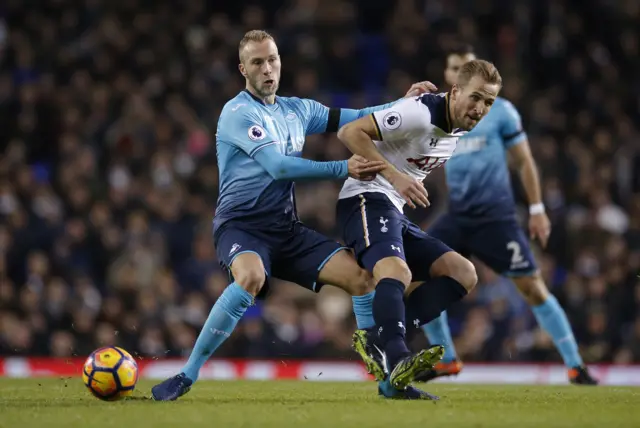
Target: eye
[(475, 97)]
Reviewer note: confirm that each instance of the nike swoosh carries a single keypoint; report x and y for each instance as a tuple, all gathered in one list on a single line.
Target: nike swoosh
[(383, 356)]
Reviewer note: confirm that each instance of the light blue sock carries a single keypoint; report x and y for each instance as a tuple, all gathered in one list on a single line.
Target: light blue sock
[(553, 320), (363, 310), (224, 316), (438, 333)]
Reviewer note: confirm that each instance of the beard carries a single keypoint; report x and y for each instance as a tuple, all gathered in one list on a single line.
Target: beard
[(464, 120), (262, 90)]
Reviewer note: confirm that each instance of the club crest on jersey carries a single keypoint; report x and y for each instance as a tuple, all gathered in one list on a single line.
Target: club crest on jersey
[(291, 116), (392, 120), (383, 222), (257, 133)]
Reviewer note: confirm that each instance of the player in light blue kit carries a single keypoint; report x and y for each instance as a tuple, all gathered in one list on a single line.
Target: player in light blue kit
[(481, 221), (257, 233)]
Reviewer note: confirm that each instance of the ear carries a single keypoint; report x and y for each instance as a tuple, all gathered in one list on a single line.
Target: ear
[(455, 91), (243, 71)]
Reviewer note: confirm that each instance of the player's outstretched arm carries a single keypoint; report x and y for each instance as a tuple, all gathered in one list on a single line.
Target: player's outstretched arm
[(243, 129), (281, 167), (318, 118), (359, 135), (348, 115)]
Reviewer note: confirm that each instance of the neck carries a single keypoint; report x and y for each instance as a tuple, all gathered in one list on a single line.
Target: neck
[(451, 118), (270, 99)]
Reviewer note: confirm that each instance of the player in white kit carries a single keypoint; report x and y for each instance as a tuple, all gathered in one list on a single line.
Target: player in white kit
[(413, 137)]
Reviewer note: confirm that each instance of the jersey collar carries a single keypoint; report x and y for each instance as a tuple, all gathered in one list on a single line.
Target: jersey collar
[(438, 106), (271, 106), (447, 113)]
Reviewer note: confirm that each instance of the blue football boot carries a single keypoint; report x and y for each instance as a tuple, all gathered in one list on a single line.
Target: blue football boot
[(172, 388), (387, 391)]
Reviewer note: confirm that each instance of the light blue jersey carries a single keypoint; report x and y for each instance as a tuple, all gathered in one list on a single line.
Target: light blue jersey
[(477, 174), (259, 147)]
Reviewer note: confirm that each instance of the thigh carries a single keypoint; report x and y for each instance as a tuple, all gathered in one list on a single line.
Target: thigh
[(422, 250), (342, 271), (503, 246), (302, 255), (447, 229), (232, 241), (372, 226)]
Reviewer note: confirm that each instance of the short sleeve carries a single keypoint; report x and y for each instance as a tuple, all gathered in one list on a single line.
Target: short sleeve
[(402, 120), (511, 129), (244, 130)]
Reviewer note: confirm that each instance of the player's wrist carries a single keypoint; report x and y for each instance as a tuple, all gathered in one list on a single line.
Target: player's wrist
[(537, 208), (390, 174), (343, 168)]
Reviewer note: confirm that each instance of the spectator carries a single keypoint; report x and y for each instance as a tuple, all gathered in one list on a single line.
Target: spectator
[(108, 177)]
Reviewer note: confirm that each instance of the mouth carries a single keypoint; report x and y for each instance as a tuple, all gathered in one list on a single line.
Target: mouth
[(269, 82)]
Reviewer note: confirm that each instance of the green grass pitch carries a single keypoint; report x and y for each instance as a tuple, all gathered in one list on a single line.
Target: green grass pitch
[(306, 404)]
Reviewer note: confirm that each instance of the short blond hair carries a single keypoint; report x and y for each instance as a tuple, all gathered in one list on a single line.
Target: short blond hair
[(253, 36), (479, 67)]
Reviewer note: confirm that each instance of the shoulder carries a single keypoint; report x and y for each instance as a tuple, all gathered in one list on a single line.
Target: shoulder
[(433, 102), (436, 109), (295, 102), (239, 115), (413, 106), (406, 112), (239, 108), (299, 104), (304, 109), (506, 109)]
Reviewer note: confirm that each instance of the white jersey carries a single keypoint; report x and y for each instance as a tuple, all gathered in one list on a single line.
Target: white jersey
[(415, 136)]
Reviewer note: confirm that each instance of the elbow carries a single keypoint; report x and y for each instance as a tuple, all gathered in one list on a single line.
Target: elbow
[(525, 165), (280, 175), (517, 163), (345, 132), (278, 172)]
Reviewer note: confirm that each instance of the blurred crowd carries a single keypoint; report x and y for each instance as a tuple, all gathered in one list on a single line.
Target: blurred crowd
[(108, 176)]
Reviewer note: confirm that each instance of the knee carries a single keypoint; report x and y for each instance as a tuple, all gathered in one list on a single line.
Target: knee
[(393, 267), (457, 267), (532, 288), (361, 283), (251, 279), (465, 274)]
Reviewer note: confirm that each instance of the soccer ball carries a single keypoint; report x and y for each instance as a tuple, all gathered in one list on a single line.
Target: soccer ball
[(110, 373)]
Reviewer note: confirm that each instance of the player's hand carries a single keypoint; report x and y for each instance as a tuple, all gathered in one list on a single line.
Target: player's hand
[(412, 190), (540, 228), (421, 88), (363, 169)]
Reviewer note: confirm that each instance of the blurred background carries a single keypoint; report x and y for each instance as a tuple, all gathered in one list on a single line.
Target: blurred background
[(108, 176)]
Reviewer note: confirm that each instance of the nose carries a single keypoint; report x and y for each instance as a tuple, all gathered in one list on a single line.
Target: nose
[(266, 70)]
